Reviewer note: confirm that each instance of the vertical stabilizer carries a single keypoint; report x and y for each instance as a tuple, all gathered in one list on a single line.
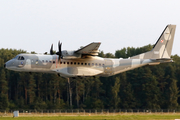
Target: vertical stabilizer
[(163, 46)]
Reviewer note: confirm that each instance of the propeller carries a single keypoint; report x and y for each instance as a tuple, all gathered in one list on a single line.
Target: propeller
[(57, 53), (60, 51)]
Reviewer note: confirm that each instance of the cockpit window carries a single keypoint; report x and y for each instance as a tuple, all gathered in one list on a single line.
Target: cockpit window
[(15, 57), (20, 58)]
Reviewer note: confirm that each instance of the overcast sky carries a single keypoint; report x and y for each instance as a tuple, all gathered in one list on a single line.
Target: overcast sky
[(33, 25)]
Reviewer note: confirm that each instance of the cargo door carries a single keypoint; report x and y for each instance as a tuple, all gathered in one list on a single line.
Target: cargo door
[(108, 67)]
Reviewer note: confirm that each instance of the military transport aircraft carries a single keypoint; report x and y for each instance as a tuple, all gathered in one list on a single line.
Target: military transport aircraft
[(85, 61)]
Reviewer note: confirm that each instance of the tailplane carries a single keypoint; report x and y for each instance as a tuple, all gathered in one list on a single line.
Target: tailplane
[(163, 46)]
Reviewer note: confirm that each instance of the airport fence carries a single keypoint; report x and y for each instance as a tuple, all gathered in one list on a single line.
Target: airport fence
[(87, 112)]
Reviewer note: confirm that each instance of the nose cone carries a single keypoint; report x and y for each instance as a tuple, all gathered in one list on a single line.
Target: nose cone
[(9, 65)]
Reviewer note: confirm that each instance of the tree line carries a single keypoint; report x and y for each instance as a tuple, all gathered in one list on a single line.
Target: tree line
[(148, 87)]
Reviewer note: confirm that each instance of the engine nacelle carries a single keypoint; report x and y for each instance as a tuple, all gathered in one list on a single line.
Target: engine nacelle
[(70, 54)]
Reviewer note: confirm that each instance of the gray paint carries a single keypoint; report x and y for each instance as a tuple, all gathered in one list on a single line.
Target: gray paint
[(98, 66)]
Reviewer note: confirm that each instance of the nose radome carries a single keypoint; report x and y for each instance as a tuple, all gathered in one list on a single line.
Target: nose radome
[(4, 65)]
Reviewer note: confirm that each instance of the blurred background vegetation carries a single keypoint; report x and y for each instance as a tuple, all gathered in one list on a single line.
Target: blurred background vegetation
[(149, 87)]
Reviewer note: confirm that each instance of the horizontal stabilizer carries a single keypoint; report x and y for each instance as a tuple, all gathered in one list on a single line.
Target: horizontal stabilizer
[(163, 60)]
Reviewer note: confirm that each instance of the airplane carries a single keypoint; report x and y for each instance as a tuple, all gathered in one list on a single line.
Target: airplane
[(85, 62)]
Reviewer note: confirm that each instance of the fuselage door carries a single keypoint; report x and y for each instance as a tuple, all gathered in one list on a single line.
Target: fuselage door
[(108, 67)]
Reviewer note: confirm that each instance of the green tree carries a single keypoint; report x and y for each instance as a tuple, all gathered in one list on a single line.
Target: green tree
[(3, 101), (128, 97), (115, 92), (3, 83), (31, 89), (172, 94), (109, 55), (79, 90), (152, 93), (101, 54), (121, 53)]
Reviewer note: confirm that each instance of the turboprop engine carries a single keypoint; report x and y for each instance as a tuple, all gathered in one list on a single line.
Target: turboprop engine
[(65, 54), (70, 54), (84, 52)]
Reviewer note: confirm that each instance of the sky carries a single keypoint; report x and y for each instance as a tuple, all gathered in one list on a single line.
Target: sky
[(33, 25)]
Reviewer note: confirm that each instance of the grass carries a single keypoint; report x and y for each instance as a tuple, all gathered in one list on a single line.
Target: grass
[(116, 117)]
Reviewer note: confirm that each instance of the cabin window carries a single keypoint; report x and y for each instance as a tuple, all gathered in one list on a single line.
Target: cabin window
[(67, 62), (85, 63), (89, 64), (96, 64), (53, 61), (99, 64), (81, 63), (103, 64), (46, 60), (92, 64), (49, 61), (42, 60), (60, 62), (64, 62), (78, 63), (71, 63), (75, 63)]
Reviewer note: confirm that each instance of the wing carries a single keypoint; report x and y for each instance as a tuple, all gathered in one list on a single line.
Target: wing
[(91, 49)]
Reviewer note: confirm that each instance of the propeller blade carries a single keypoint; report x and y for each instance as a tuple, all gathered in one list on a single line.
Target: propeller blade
[(51, 50), (60, 44), (59, 59)]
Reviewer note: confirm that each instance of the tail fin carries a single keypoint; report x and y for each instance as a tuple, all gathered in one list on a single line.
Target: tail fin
[(163, 47)]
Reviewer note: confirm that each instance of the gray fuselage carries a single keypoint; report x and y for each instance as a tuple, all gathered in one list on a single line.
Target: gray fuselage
[(89, 66)]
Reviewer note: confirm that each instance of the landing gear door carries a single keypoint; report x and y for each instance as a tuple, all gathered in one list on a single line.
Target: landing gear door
[(108, 67)]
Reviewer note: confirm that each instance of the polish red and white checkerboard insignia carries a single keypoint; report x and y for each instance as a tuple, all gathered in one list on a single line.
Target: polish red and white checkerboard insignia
[(162, 41)]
